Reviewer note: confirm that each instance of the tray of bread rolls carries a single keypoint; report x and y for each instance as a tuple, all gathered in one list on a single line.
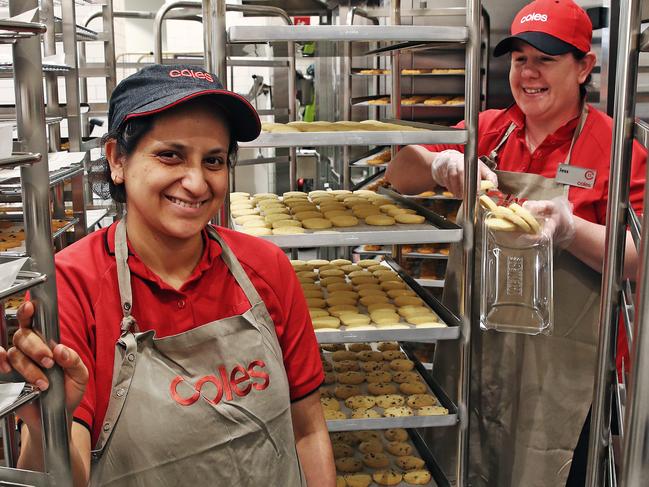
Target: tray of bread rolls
[(373, 458), (366, 132), (380, 386), (370, 301), (336, 218)]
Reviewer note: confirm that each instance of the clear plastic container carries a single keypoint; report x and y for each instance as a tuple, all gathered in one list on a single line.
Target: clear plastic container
[(516, 274)]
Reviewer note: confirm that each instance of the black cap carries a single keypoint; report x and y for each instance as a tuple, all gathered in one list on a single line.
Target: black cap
[(156, 88), (540, 40)]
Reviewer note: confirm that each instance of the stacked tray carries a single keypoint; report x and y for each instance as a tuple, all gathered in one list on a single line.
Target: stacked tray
[(379, 387), (327, 216), (356, 452), (369, 301)]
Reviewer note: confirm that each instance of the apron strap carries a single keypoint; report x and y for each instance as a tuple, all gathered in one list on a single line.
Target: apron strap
[(578, 129), (124, 277), (492, 159), (235, 268)]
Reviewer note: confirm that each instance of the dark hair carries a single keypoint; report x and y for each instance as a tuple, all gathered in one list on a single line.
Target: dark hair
[(127, 138), (583, 87)]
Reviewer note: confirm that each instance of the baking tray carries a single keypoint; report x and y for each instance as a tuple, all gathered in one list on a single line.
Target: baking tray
[(362, 160), (431, 216), (364, 101), (433, 387), (356, 72), (432, 134), (351, 335), (438, 478)]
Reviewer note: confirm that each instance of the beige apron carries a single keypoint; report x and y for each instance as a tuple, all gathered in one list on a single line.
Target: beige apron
[(209, 406), (529, 394)]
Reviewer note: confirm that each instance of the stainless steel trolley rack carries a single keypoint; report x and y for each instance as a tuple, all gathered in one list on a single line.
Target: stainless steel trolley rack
[(35, 196), (617, 298), (216, 38)]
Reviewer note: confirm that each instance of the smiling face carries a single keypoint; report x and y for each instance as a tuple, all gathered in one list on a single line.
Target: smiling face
[(177, 176), (546, 88)]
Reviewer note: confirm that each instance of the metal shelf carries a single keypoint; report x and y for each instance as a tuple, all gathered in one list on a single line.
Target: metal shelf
[(69, 225), (93, 217), (449, 419), (435, 134), (25, 280), (641, 132), (28, 395), (30, 28), (356, 72), (430, 282), (83, 33), (635, 226), (346, 33), (8, 68), (20, 159)]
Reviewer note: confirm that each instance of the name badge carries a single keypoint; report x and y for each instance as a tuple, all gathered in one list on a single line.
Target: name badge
[(582, 177)]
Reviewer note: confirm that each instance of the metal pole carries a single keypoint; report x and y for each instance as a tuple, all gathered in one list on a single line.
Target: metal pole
[(215, 38), (51, 79), (395, 97), (472, 84), (35, 195), (73, 107), (108, 27), (616, 218), (159, 19)]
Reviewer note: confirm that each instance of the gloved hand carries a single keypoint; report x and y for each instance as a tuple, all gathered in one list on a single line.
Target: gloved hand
[(447, 170), (559, 223)]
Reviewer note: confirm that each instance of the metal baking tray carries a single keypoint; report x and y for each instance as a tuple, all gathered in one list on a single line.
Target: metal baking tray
[(360, 250), (433, 134), (356, 72), (362, 160), (434, 388), (430, 282), (350, 335), (358, 33), (438, 478), (431, 216), (364, 101)]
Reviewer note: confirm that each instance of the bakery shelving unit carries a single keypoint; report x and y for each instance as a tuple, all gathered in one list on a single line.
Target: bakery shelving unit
[(217, 37), (41, 282), (632, 397)]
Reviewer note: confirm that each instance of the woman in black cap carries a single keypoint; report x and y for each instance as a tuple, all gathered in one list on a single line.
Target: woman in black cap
[(188, 351), (531, 394)]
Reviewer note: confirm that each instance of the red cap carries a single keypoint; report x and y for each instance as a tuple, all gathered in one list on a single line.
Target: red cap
[(552, 26)]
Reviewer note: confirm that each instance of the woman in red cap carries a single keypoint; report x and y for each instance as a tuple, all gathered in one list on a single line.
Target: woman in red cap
[(188, 351), (531, 394)]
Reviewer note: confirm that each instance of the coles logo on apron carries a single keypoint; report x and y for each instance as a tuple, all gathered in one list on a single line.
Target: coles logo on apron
[(212, 388)]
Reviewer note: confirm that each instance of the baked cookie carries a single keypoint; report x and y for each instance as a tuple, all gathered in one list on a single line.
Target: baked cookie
[(381, 306), (385, 346), (372, 446), (399, 448), (411, 388), (373, 366), (365, 414), (343, 391), (417, 401), (386, 401), (410, 462), (340, 481), (417, 477), (359, 347), (390, 355), (330, 378), (367, 435), (343, 437), (432, 411), (351, 377), (402, 377), (331, 272), (369, 356), (342, 309), (360, 402), (396, 434), (398, 412), (345, 365), (357, 319), (349, 464), (330, 403), (387, 477), (382, 388), (343, 355), (318, 313), (390, 285), (402, 365), (376, 460), (358, 480), (325, 322), (333, 415), (379, 376), (332, 347), (342, 449), (380, 220)]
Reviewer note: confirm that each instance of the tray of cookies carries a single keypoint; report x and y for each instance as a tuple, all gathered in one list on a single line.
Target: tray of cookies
[(366, 132), (370, 301), (336, 218), (379, 386), (442, 212), (397, 457), (379, 156)]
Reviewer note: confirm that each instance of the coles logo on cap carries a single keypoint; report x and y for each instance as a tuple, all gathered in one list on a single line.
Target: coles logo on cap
[(534, 17), (190, 73)]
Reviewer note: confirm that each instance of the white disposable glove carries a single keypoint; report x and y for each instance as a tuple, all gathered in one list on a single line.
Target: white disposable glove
[(447, 170), (559, 220)]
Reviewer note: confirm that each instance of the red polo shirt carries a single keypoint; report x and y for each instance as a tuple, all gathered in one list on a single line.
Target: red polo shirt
[(90, 308), (592, 150)]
